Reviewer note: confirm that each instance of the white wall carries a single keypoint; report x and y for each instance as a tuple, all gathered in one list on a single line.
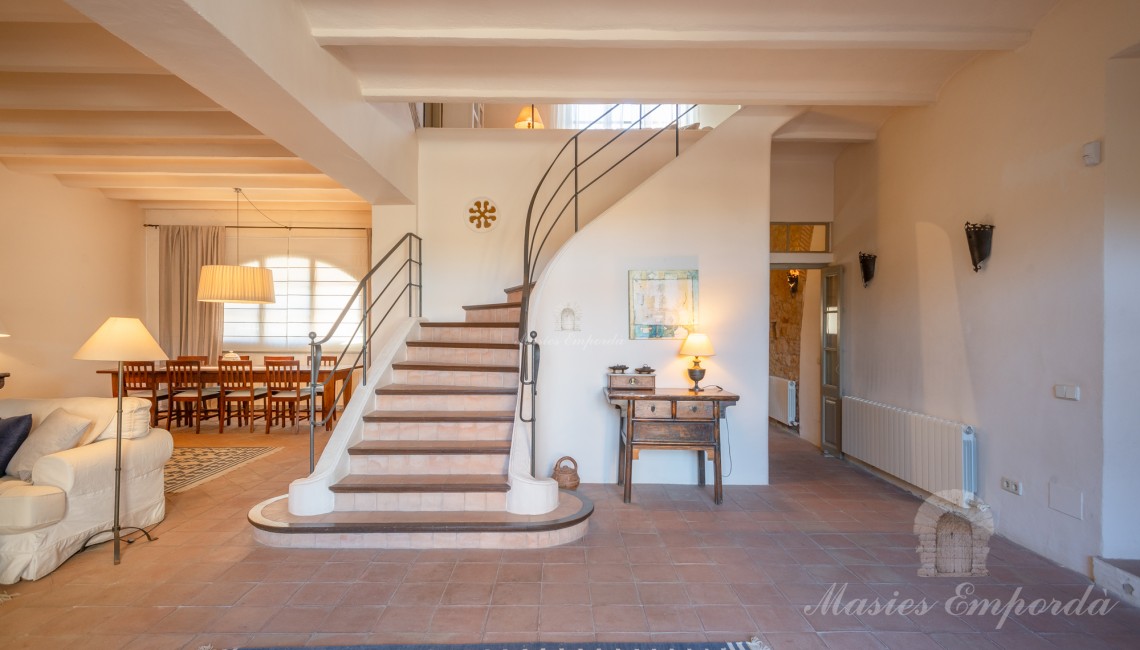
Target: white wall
[(708, 210), (1003, 146), (464, 267), (1122, 310), (803, 181), (69, 259)]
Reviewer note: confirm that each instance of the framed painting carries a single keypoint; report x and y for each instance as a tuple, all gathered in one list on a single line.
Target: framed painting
[(662, 304)]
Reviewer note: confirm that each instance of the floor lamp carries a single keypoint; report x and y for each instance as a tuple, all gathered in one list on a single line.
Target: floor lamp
[(120, 339)]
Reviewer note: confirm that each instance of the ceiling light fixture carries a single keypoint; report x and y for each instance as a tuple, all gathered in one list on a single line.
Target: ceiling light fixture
[(233, 282)]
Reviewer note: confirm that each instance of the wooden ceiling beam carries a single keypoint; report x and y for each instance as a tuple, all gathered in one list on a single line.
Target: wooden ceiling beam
[(141, 179), (227, 194), (360, 207), (125, 124), (16, 146), (63, 164), (68, 47), (100, 92)]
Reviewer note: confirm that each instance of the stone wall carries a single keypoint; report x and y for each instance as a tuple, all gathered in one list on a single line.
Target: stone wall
[(786, 315)]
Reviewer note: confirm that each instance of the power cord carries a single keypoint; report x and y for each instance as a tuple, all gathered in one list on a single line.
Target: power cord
[(727, 436), (728, 444)]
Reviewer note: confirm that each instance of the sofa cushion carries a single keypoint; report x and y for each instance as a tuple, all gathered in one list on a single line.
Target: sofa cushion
[(100, 410), (59, 431), (26, 507), (13, 432)]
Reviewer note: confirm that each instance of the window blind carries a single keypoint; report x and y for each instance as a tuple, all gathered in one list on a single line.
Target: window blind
[(314, 274)]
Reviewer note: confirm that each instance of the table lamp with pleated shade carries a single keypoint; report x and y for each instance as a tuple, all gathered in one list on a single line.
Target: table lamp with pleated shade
[(697, 345)]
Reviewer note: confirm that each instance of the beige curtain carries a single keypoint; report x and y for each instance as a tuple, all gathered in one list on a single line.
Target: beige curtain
[(186, 326)]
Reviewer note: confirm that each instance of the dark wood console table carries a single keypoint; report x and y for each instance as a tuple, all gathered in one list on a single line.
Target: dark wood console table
[(670, 418)]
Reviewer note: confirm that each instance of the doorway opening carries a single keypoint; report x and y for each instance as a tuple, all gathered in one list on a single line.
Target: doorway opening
[(794, 351)]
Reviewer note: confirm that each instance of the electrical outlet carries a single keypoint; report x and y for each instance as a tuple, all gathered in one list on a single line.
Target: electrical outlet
[(1010, 485)]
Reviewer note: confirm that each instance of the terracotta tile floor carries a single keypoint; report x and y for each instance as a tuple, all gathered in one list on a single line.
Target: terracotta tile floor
[(670, 566)]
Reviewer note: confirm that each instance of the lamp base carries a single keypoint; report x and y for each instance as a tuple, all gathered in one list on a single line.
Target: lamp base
[(696, 374)]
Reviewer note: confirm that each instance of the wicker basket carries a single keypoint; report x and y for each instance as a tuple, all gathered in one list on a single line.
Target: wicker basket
[(567, 477)]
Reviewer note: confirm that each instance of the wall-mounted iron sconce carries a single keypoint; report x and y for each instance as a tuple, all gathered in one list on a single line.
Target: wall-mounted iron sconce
[(794, 281), (980, 238), (867, 266)]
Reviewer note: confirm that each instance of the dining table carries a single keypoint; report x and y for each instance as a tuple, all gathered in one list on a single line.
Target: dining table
[(330, 377)]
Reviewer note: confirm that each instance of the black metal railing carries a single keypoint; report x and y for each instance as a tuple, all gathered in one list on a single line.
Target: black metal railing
[(571, 186), (411, 271)]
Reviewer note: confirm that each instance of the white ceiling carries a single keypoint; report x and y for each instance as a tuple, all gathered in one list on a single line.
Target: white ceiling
[(303, 103)]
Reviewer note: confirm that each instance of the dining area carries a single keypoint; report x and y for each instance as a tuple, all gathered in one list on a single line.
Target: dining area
[(277, 392)]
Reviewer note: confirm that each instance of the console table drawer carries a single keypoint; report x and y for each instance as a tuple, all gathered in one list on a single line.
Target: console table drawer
[(694, 410), (632, 382), (678, 432), (653, 408)]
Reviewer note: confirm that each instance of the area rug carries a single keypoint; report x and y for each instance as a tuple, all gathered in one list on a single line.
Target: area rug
[(754, 644), (192, 466)]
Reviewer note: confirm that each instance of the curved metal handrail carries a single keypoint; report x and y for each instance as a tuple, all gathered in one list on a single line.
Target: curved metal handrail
[(529, 349), (412, 244)]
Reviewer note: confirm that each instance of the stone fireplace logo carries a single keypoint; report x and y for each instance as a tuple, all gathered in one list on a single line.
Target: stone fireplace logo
[(953, 539)]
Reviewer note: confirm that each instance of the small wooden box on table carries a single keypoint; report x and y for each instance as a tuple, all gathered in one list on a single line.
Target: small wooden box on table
[(668, 418)]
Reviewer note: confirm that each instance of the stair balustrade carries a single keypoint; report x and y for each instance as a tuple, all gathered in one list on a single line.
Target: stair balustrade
[(535, 237), (409, 249)]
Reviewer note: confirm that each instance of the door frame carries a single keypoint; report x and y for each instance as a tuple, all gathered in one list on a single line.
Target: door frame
[(831, 405)]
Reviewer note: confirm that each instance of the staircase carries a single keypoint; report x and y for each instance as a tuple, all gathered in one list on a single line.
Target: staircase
[(431, 469)]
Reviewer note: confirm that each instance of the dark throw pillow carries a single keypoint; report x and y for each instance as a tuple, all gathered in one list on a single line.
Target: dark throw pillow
[(13, 432)]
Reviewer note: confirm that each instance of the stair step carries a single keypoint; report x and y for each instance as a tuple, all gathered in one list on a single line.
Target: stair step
[(275, 526), (435, 447), (516, 288), (440, 416), (499, 305), (422, 483), (429, 324), (503, 312), (429, 389), (463, 344), (421, 430), (453, 367)]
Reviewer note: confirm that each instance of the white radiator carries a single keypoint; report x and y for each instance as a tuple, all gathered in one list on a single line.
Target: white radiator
[(927, 452), (782, 400)]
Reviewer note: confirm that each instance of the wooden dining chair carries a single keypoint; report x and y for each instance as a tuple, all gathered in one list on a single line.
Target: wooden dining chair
[(187, 395), (207, 389), (139, 380), (236, 383), (282, 358), (286, 392)]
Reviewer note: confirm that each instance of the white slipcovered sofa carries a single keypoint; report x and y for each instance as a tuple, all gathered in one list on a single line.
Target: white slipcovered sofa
[(71, 493)]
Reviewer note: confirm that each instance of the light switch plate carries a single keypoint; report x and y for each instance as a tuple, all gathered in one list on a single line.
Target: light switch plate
[(1067, 391)]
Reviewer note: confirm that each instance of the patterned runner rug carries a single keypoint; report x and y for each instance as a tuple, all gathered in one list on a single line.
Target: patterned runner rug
[(192, 466), (754, 644)]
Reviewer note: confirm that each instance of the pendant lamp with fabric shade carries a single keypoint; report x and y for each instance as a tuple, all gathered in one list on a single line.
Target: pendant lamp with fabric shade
[(233, 282)]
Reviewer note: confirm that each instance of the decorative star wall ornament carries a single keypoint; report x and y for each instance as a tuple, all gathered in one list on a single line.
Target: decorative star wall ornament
[(482, 214)]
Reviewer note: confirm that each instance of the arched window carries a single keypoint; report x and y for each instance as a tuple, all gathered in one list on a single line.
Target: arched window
[(314, 274)]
